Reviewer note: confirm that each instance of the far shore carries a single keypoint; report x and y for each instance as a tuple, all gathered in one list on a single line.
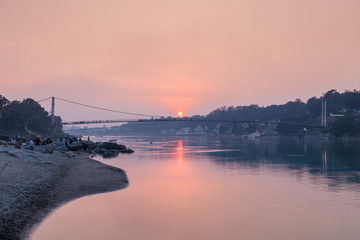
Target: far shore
[(32, 184)]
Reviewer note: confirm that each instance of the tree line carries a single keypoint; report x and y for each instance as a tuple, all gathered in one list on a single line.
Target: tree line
[(292, 118), (295, 116), (27, 117)]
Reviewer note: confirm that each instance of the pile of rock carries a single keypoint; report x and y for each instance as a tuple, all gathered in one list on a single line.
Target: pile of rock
[(106, 149)]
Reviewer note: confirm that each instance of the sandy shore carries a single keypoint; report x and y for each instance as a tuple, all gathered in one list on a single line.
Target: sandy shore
[(32, 184)]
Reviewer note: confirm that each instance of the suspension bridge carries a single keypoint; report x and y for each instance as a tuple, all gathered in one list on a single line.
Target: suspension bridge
[(74, 113)]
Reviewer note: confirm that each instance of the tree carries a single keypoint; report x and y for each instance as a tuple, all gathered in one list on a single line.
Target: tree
[(19, 117), (348, 124), (352, 100), (3, 102), (313, 107), (334, 101)]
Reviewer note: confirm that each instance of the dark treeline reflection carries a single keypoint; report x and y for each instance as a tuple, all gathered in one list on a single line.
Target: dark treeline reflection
[(337, 161)]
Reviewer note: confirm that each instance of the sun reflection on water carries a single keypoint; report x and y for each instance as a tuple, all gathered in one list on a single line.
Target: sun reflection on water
[(179, 151)]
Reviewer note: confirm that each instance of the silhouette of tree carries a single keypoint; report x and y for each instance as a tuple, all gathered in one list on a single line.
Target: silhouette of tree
[(352, 100), (3, 102), (348, 124), (19, 117)]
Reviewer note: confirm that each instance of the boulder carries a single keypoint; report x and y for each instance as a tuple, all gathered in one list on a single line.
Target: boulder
[(110, 154), (61, 148), (49, 148), (109, 149), (113, 146), (75, 146), (88, 145), (40, 150), (99, 150), (128, 150)]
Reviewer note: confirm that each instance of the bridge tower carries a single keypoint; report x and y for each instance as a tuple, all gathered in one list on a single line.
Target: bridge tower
[(53, 109)]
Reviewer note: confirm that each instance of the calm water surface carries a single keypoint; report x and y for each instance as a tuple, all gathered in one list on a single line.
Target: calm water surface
[(221, 188)]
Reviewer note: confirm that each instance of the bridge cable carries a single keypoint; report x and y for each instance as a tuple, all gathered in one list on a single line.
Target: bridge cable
[(44, 99), (106, 109)]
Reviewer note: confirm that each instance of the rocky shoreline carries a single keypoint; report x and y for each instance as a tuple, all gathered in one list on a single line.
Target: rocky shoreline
[(33, 183)]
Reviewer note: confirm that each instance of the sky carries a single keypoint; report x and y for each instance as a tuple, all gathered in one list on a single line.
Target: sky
[(159, 57)]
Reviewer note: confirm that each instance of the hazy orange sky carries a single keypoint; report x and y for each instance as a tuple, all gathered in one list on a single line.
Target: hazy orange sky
[(162, 56)]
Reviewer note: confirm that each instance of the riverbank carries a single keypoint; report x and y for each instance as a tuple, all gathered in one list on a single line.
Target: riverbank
[(32, 184)]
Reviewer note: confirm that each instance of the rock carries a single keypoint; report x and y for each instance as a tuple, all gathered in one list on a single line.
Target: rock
[(128, 150), (75, 146), (109, 149), (88, 145), (99, 150), (40, 149), (113, 146), (85, 145), (49, 148), (91, 146), (2, 142), (13, 155), (60, 148), (110, 154)]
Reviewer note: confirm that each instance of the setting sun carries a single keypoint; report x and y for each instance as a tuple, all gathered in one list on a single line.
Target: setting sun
[(180, 114)]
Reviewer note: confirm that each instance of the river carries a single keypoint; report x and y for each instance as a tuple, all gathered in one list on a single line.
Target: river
[(221, 188)]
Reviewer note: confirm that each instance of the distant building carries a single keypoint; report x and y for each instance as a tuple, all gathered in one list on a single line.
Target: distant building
[(215, 131), (199, 130), (184, 131), (336, 115)]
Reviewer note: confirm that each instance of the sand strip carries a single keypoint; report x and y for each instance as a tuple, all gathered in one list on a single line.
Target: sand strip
[(32, 184)]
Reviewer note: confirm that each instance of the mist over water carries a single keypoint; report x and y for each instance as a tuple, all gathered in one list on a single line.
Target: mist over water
[(221, 188)]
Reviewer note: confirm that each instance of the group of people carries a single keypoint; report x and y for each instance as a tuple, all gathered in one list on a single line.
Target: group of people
[(70, 140), (38, 141)]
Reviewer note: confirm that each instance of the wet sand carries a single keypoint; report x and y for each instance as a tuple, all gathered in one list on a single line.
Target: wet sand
[(33, 184)]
